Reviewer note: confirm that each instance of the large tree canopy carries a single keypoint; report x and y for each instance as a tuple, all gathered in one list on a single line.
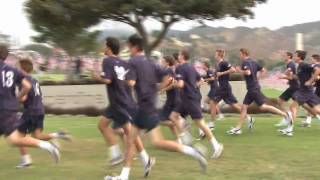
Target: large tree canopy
[(49, 16)]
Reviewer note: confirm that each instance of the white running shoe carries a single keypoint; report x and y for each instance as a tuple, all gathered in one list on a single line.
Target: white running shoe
[(286, 132), (234, 131), (23, 165), (251, 122), (202, 159), (220, 117), (116, 160), (305, 124), (148, 167), (55, 153), (65, 136), (218, 152), (114, 178)]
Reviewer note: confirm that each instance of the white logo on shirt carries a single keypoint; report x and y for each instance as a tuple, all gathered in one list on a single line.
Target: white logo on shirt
[(121, 72)]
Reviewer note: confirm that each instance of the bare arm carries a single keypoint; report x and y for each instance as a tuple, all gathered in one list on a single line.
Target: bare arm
[(167, 80), (230, 71), (243, 72), (26, 87), (179, 84), (100, 79)]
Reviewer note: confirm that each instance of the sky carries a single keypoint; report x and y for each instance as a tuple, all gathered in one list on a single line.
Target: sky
[(273, 15)]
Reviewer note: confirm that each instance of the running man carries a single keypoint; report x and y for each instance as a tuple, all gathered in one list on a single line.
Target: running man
[(250, 69), (188, 81), (290, 74), (143, 77), (33, 115), (10, 78), (121, 107)]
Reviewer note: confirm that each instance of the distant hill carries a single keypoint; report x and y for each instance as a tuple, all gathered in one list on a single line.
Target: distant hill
[(266, 45)]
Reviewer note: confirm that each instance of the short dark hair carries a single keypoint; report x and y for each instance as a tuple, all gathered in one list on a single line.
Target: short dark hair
[(301, 54), (206, 64), (136, 41), (245, 51), (4, 52), (175, 56), (316, 57), (185, 54), (26, 65), (289, 54), (114, 44), (221, 53), (170, 60)]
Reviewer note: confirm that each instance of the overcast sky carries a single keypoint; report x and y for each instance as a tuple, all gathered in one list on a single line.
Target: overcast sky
[(273, 15)]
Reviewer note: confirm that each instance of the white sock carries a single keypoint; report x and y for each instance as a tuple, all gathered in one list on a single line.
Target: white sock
[(144, 157), (211, 124), (187, 150), (26, 159), (215, 144), (318, 116), (125, 173), (200, 132), (115, 151), (309, 119), (186, 138), (221, 116), (45, 145), (179, 140)]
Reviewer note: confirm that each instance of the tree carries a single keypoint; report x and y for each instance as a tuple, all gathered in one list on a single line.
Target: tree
[(47, 15)]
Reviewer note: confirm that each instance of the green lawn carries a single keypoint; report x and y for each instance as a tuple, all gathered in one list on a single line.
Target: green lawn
[(272, 93), (50, 77), (262, 154)]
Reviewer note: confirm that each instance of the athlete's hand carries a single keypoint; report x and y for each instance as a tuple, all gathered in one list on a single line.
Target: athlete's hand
[(95, 76), (22, 99), (238, 69), (309, 83), (219, 74)]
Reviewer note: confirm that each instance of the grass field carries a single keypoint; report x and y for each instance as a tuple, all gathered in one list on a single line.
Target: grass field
[(271, 93), (262, 154)]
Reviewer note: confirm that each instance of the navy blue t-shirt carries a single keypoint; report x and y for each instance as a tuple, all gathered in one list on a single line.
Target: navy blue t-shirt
[(291, 66), (317, 84), (224, 80), (147, 75), (119, 92), (188, 74), (252, 80), (173, 96), (10, 78), (33, 105), (213, 84), (305, 72)]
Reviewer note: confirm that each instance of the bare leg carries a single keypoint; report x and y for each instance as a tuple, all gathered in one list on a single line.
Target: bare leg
[(39, 135), (178, 122), (20, 140), (213, 110), (282, 103), (273, 110), (106, 131), (243, 115)]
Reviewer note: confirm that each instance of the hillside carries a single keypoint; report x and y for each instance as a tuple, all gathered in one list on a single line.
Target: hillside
[(266, 45)]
